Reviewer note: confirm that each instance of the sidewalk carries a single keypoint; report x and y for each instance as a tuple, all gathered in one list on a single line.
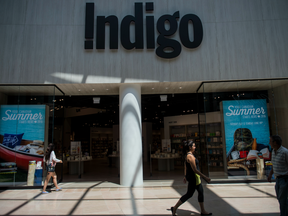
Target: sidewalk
[(155, 197)]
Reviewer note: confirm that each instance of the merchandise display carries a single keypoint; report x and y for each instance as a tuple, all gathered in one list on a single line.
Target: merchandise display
[(100, 146)]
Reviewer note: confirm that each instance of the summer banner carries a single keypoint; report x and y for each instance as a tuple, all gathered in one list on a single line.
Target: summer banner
[(27, 119), (245, 120)]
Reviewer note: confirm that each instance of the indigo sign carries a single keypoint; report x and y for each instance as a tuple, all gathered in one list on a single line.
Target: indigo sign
[(168, 48)]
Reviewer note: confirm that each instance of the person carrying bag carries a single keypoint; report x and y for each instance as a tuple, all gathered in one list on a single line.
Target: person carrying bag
[(50, 163)]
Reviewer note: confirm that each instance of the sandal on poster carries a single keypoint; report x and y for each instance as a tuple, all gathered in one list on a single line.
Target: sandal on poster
[(45, 192), (206, 214), (59, 189)]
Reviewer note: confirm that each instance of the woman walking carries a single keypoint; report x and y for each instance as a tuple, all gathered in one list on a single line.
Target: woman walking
[(50, 161), (191, 167)]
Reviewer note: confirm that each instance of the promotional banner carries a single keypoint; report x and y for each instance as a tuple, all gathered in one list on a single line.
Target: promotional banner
[(22, 133), (245, 120), (75, 147), (27, 119)]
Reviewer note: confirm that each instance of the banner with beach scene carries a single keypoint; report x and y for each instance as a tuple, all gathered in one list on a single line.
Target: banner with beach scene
[(245, 120), (22, 134)]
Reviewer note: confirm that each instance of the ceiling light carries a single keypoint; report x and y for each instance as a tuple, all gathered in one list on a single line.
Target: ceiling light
[(107, 89), (96, 100), (79, 89), (180, 87), (152, 88), (93, 89), (166, 87), (163, 97)]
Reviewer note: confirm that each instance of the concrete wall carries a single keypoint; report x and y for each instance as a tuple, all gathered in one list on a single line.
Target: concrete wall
[(43, 42)]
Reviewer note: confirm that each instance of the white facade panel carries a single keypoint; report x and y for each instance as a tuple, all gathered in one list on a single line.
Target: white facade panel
[(43, 42)]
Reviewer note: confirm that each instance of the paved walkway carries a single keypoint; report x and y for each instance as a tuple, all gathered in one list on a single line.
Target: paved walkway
[(153, 198)]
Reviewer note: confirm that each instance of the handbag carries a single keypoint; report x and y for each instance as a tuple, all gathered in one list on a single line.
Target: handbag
[(198, 179), (51, 168)]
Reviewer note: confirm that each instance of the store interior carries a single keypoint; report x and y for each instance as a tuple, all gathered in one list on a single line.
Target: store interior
[(167, 120), (96, 126), (98, 133)]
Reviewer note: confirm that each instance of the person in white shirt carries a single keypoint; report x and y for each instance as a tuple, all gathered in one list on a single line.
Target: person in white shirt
[(50, 164)]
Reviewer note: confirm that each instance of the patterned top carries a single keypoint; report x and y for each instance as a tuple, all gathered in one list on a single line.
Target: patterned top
[(280, 161)]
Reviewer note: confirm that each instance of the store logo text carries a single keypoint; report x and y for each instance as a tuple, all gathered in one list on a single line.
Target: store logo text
[(168, 48)]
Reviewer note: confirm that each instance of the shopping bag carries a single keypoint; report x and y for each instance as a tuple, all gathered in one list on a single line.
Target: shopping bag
[(198, 179)]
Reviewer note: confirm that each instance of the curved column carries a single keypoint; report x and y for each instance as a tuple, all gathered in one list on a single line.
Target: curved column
[(131, 167)]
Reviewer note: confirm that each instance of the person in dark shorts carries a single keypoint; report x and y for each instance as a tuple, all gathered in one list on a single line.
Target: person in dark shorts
[(191, 166)]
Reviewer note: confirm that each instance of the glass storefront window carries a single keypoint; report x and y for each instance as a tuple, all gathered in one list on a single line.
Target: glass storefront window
[(238, 119), (26, 128)]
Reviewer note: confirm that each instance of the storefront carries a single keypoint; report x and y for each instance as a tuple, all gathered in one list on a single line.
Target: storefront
[(227, 63)]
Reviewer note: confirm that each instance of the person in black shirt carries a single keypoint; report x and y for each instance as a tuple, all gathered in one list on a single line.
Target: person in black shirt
[(191, 167)]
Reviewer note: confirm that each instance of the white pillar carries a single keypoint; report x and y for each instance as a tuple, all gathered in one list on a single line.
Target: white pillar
[(131, 168)]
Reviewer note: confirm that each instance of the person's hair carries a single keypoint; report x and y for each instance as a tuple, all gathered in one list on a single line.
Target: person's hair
[(49, 149), (277, 139), (186, 145), (185, 149)]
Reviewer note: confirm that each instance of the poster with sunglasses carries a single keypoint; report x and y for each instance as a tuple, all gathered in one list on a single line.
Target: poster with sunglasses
[(245, 120)]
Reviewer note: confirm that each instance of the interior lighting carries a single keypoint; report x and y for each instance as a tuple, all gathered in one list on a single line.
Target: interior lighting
[(180, 87), (96, 100), (79, 90), (107, 89), (152, 88), (93, 89), (163, 97)]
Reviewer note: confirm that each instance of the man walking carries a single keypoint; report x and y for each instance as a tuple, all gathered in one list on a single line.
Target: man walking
[(280, 170)]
